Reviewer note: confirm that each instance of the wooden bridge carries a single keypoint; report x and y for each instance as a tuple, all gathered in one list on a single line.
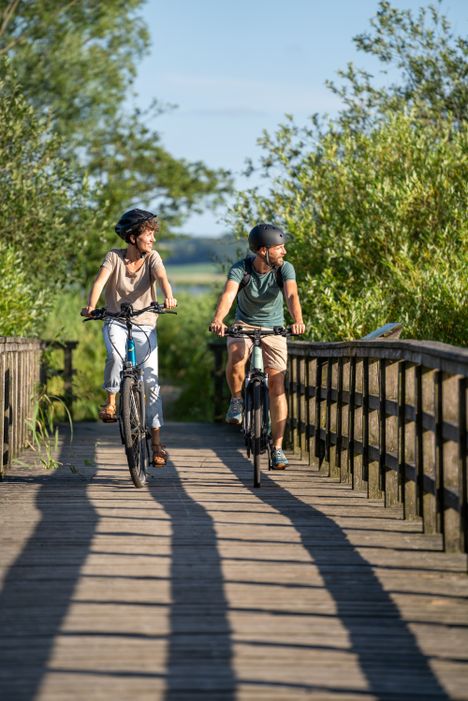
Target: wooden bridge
[(201, 587)]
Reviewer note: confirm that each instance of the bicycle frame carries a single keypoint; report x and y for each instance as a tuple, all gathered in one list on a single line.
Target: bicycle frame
[(131, 369)]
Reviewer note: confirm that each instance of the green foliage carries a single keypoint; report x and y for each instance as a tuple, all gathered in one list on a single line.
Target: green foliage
[(379, 226), (376, 200), (75, 60), (430, 60), (64, 323), (76, 63), (22, 306), (184, 358), (43, 208)]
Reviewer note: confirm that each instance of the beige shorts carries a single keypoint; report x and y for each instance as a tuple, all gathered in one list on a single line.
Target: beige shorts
[(274, 349)]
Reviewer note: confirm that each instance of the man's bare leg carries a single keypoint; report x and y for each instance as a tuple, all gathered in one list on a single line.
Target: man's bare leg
[(235, 369), (278, 405)]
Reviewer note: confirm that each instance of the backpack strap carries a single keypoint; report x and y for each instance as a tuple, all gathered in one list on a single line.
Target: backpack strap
[(279, 278), (248, 266)]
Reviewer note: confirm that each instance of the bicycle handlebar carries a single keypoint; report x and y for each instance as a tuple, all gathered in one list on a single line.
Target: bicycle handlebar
[(236, 331), (127, 312)]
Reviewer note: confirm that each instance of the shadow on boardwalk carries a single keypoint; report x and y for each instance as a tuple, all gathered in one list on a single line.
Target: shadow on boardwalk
[(387, 652), (201, 648), (199, 660), (40, 583)]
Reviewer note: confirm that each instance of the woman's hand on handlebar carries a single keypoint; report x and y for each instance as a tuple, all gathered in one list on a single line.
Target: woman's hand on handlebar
[(170, 302), (218, 328), (87, 311)]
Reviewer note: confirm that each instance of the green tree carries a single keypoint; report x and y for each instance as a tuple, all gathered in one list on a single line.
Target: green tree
[(43, 207), (76, 59), (429, 60), (376, 199), (76, 62)]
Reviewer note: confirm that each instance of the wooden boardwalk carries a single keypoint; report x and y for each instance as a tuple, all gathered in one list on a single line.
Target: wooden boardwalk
[(201, 587)]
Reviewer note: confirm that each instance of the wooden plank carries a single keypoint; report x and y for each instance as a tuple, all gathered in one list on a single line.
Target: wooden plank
[(200, 586)]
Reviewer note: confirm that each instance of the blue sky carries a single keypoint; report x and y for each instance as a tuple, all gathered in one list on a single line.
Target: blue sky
[(236, 67)]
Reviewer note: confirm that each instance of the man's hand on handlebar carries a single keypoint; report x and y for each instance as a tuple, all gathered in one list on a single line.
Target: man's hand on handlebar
[(218, 328), (170, 302), (297, 329)]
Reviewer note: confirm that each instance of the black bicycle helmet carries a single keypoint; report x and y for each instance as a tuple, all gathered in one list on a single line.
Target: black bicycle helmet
[(265, 235), (130, 222)]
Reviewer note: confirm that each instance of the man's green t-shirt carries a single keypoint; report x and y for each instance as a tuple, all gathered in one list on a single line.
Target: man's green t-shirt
[(260, 302)]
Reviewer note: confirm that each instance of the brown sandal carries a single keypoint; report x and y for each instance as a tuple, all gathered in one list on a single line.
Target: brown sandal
[(108, 413), (160, 455)]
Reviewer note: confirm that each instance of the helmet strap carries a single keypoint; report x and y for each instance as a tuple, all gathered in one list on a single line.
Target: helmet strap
[(267, 259)]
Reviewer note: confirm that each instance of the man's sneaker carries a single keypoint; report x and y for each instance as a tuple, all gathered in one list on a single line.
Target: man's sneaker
[(234, 413), (279, 460)]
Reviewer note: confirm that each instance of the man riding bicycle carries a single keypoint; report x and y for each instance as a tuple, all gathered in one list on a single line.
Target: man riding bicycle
[(259, 284)]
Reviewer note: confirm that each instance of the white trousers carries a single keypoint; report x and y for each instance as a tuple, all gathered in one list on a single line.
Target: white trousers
[(115, 338)]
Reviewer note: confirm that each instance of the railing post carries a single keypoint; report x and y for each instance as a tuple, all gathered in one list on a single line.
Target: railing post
[(391, 485), (429, 473), (453, 481), (351, 419), (462, 463)]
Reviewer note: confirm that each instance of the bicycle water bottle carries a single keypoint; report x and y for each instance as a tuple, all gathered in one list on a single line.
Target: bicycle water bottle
[(131, 355)]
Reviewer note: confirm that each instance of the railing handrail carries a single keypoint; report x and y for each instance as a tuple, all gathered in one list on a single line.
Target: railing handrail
[(432, 354)]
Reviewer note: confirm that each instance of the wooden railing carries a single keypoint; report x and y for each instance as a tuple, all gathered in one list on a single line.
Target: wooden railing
[(23, 369), (20, 361), (389, 418)]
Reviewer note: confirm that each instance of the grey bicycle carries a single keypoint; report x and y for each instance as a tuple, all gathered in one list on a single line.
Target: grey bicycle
[(256, 422)]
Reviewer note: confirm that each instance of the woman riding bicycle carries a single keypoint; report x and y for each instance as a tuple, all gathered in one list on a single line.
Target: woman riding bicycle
[(127, 275), (260, 304)]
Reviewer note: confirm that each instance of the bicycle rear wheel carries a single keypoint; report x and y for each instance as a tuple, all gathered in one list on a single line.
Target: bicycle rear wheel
[(134, 430), (257, 432)]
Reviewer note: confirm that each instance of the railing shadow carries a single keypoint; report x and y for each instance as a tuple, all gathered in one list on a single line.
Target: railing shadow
[(199, 656), (39, 585), (387, 651)]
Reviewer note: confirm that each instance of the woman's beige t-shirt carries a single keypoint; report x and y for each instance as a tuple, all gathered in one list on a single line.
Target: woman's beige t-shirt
[(136, 289)]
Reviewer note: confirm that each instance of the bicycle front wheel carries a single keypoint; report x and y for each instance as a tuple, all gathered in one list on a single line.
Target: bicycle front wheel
[(134, 430), (257, 432)]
